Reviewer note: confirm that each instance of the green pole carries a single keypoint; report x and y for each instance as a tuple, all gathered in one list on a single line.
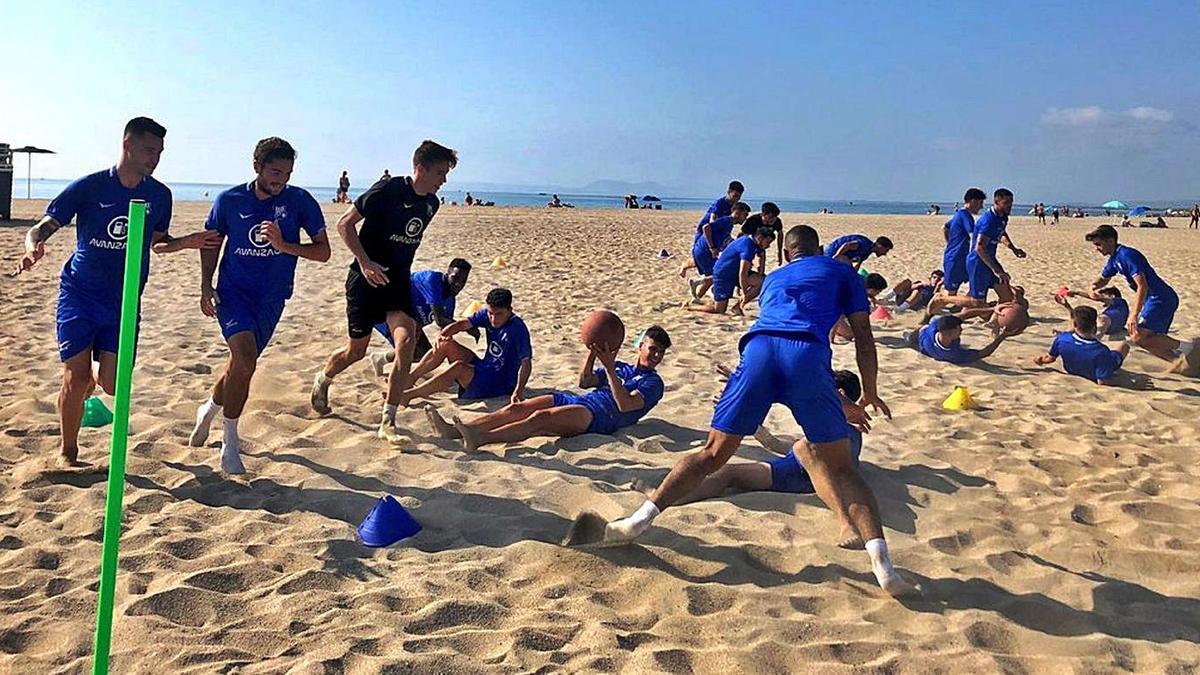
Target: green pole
[(130, 296)]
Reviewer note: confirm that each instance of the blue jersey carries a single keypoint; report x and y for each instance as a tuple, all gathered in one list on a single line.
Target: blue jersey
[(1086, 357), (721, 229), (721, 207), (729, 264), (507, 345), (100, 206), (806, 297), (959, 228), (429, 291), (856, 255), (251, 266), (950, 353), (634, 379), (1129, 262), (1117, 312), (992, 226)]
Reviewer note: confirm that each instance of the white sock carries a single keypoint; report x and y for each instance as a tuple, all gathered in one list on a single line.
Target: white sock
[(645, 514), (389, 414), (209, 410), (323, 380), (881, 562), (231, 433), (627, 529)]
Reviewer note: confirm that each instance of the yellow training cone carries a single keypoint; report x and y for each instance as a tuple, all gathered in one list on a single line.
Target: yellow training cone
[(499, 263), (475, 306), (960, 399)]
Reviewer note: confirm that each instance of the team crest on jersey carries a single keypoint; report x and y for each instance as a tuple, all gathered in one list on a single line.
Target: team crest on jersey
[(258, 236), (415, 227), (280, 212), (118, 228), (495, 349)]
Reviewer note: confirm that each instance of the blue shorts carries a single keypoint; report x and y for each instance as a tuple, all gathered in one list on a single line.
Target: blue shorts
[(787, 475), (794, 371), (602, 423), (1158, 313), (82, 324), (239, 314), (487, 382), (703, 257), (981, 280), (722, 288), (955, 269)]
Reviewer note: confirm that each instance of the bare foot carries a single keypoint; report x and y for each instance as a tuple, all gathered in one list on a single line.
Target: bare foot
[(850, 540), (736, 309), (440, 426), (69, 459), (470, 437), (1189, 365)]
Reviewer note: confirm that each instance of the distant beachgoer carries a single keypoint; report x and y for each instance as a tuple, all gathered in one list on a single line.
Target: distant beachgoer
[(1194, 223), (1125, 221), (469, 200), (386, 175), (555, 202), (957, 233), (1040, 212), (343, 191), (1056, 214), (768, 216), (1082, 352)]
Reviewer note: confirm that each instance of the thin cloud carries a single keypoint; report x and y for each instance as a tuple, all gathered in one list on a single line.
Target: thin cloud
[(1095, 116), (1150, 114), (1074, 117)]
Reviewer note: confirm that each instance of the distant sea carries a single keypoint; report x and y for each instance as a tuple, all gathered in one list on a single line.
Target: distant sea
[(48, 188)]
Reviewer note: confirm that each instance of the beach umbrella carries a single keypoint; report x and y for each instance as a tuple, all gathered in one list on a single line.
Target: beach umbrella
[(1139, 210), (1114, 204), (651, 198), (30, 151)]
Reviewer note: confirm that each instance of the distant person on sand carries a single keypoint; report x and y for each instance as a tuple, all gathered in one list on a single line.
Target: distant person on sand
[(957, 233), (1056, 214), (767, 216), (733, 271), (622, 394), (940, 341), (554, 202), (469, 200), (343, 191), (1082, 352), (1194, 223), (711, 238), (386, 175), (504, 369), (260, 222), (786, 358), (88, 313), (433, 295), (854, 249), (1040, 212), (1154, 302), (394, 216)]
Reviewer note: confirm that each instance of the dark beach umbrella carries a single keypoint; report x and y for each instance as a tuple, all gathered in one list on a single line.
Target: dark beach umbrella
[(651, 198), (30, 151)]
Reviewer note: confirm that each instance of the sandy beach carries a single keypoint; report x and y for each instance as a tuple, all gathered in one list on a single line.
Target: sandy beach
[(1049, 529)]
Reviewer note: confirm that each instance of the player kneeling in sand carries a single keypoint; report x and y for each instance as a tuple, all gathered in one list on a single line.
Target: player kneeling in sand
[(733, 271), (622, 393)]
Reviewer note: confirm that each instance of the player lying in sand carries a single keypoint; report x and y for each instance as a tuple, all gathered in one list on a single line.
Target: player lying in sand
[(733, 272), (1082, 352), (941, 341), (1116, 311), (912, 295), (622, 393)]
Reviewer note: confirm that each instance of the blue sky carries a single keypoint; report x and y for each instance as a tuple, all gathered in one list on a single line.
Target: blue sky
[(1060, 101)]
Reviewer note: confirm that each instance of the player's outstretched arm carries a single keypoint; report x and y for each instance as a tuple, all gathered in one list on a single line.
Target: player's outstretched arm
[(35, 243), (868, 361)]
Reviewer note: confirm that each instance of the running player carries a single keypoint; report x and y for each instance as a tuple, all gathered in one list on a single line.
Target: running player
[(394, 215), (786, 358), (957, 232), (89, 292), (984, 271), (260, 222)]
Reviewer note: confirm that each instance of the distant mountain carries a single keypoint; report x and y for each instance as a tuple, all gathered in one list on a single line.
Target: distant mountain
[(621, 187)]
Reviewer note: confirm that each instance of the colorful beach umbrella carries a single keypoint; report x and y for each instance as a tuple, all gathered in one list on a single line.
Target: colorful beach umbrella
[(1114, 204), (1139, 210)]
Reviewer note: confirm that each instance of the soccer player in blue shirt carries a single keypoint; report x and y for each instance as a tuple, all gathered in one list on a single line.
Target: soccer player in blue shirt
[(723, 206), (261, 222), (1082, 352), (1115, 315), (711, 239), (433, 295), (504, 369), (1154, 302), (89, 295), (957, 232), (733, 271), (622, 393), (854, 249), (940, 340), (984, 271), (786, 358)]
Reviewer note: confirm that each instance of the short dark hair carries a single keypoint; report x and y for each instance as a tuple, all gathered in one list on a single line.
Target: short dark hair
[(659, 335), (770, 208), (949, 322), (1084, 317), (741, 206), (764, 231), (802, 238), (848, 382), (429, 153), (460, 264), (1106, 232), (736, 186), (144, 125), (273, 149), (876, 282), (885, 242), (1002, 193), (499, 297), (1111, 291), (938, 273), (974, 193)]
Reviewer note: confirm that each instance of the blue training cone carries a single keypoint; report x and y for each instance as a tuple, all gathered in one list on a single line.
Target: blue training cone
[(386, 524)]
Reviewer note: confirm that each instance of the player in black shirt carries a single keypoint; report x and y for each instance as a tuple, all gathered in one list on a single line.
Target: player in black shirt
[(394, 214), (767, 217)]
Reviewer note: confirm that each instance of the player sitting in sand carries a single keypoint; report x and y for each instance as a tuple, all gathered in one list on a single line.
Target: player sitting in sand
[(1116, 311), (914, 295), (1082, 352), (733, 271), (622, 394), (940, 341), (503, 370), (785, 473)]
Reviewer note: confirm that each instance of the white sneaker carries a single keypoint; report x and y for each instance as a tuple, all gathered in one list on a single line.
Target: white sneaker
[(319, 398), (231, 460), (200, 432), (379, 361), (388, 432)]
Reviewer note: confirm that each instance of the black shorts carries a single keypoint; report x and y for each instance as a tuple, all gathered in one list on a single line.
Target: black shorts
[(367, 305)]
